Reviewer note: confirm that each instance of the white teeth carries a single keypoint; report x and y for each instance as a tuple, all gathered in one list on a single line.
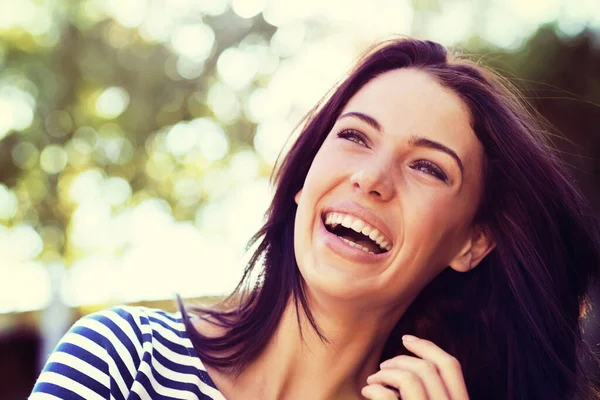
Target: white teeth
[(357, 225), (338, 218), (347, 222), (374, 233), (360, 226), (358, 246), (328, 219)]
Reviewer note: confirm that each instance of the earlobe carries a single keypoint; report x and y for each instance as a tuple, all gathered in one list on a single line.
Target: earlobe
[(297, 196), (463, 262), (479, 245)]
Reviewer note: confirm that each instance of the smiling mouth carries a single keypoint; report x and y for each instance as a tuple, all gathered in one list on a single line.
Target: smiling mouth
[(356, 232)]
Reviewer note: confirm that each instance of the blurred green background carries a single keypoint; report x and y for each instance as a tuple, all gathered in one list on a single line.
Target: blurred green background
[(137, 136)]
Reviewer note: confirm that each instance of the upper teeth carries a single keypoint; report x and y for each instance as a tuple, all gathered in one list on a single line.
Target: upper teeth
[(360, 226)]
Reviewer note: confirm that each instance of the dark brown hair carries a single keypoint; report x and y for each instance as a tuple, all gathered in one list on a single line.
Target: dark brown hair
[(514, 321)]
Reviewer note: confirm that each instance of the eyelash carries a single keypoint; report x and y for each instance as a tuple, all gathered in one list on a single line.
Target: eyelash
[(438, 173), (354, 136), (359, 138)]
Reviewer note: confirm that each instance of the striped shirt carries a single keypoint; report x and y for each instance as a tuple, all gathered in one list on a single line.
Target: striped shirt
[(125, 353)]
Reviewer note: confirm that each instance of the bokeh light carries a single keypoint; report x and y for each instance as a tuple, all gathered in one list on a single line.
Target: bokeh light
[(8, 203), (139, 133), (112, 102), (16, 109), (53, 159)]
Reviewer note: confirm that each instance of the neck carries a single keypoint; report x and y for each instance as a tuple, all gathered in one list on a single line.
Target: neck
[(295, 362)]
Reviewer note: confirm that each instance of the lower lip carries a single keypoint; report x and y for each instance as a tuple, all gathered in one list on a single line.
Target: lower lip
[(343, 249)]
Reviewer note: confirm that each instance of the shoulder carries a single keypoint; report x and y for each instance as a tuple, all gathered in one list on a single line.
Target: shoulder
[(123, 350), (124, 331), (132, 328)]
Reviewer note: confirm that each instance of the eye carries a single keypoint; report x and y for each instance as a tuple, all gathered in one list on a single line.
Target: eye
[(354, 136), (430, 168)]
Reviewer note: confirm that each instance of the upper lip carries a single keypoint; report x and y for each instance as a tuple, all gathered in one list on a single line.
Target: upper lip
[(363, 213)]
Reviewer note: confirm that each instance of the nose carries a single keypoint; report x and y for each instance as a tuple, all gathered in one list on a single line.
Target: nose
[(373, 181)]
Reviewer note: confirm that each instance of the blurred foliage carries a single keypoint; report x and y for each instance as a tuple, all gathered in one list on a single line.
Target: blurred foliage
[(93, 103), (97, 105), (560, 77), (68, 133)]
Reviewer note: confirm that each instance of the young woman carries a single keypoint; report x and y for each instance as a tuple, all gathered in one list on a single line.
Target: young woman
[(424, 242)]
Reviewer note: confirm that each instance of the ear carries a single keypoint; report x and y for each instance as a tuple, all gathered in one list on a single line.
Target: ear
[(478, 244), (297, 196)]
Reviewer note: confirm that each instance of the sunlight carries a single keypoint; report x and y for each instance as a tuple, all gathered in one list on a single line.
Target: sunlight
[(53, 159), (248, 8), (112, 102), (141, 185), (8, 203), (16, 109)]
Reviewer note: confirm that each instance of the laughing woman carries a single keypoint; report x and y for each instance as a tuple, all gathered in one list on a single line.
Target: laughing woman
[(424, 242)]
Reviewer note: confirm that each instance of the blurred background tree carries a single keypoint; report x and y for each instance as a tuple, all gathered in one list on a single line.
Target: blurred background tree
[(137, 136)]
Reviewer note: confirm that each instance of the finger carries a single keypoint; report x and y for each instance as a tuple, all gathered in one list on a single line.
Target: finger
[(378, 392), (449, 368), (427, 370), (408, 383)]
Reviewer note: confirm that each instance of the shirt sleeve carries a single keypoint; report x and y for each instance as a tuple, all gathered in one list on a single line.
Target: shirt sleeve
[(98, 358)]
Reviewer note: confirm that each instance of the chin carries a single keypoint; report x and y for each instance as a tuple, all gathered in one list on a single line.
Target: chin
[(336, 282)]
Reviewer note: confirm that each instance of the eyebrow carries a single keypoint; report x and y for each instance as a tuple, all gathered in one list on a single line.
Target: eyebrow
[(413, 140)]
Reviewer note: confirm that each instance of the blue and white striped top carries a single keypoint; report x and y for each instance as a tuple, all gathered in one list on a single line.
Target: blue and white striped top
[(125, 353)]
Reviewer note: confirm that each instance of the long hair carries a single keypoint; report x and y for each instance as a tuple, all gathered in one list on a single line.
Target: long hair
[(514, 321)]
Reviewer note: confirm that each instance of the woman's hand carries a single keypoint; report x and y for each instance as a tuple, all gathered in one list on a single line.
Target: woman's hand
[(436, 375)]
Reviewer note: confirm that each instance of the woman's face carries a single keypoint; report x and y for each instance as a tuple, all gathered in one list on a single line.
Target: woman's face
[(389, 198)]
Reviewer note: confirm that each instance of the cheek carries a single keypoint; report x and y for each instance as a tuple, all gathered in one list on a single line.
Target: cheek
[(324, 172), (302, 230), (431, 226), (322, 177)]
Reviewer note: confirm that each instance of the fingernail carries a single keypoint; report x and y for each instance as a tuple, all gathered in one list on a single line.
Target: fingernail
[(409, 338)]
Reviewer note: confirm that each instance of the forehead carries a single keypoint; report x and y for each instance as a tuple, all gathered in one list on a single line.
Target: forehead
[(409, 101)]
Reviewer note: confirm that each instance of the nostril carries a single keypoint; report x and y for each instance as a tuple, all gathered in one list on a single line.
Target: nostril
[(370, 183), (358, 187)]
